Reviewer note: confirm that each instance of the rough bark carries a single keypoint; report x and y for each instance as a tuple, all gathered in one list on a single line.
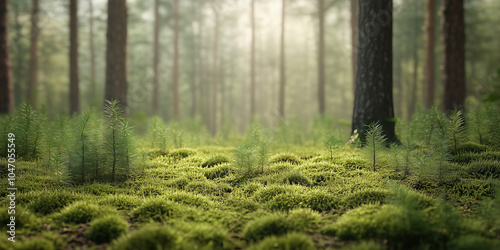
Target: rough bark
[(282, 64), (74, 90), (321, 56), (454, 55), (373, 100), (116, 52), (156, 57), (32, 83), (429, 52), (6, 86), (175, 84)]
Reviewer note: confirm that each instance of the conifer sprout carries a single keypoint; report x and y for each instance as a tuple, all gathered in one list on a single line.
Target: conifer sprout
[(83, 154), (244, 156), (395, 152), (263, 148), (455, 129), (28, 131), (374, 142), (408, 146), (331, 143)]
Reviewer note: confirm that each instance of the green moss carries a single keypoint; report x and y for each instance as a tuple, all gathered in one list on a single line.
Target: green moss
[(287, 201), (24, 218), (292, 241), (51, 202), (473, 242), (219, 171), (215, 160), (149, 237), (107, 228), (303, 219), (483, 169), (321, 201), (296, 177), (82, 212), (285, 158), (470, 147), (37, 243), (366, 196), (189, 199), (208, 236), (181, 153), (120, 201), (273, 224), (157, 209), (269, 192)]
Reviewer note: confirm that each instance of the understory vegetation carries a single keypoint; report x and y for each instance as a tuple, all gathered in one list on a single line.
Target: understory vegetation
[(88, 181)]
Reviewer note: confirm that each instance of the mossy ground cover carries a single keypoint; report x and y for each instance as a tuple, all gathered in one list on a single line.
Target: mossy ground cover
[(196, 194)]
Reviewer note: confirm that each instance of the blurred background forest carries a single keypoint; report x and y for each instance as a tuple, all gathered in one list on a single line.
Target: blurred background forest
[(212, 41)]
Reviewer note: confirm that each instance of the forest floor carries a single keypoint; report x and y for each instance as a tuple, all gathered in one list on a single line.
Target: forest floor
[(303, 197)]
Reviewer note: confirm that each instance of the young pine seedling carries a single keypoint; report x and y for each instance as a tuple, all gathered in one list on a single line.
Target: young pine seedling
[(331, 143), (375, 142)]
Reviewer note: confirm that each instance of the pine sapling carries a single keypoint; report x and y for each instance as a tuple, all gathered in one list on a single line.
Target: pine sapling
[(244, 156), (456, 129), (331, 143), (114, 123), (263, 152), (375, 141)]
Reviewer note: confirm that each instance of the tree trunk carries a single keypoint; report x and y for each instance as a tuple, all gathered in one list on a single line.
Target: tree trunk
[(93, 88), (19, 78), (282, 64), (354, 31), (176, 61), (6, 87), (156, 57), (214, 73), (116, 52), (429, 53), (74, 96), (33, 55), (454, 55), (252, 62), (194, 69), (413, 100), (321, 57), (373, 96)]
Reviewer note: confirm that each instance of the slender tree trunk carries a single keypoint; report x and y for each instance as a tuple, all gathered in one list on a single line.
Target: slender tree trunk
[(116, 52), (454, 55), (19, 80), (354, 35), (6, 87), (203, 93), (282, 64), (429, 52), (194, 64), (156, 57), (321, 57), (74, 97), (34, 55), (373, 98), (252, 62), (176, 61), (93, 87), (413, 100), (214, 82)]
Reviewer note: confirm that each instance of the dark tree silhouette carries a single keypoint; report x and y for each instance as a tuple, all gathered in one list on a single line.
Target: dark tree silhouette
[(33, 55), (156, 56), (252, 61), (354, 35), (6, 87), (74, 90), (93, 90), (282, 64), (454, 55), (373, 96), (429, 52), (116, 52), (175, 89), (321, 56)]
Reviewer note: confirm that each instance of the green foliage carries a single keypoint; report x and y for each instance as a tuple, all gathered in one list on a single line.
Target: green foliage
[(38, 243), (107, 228), (296, 178), (292, 241), (120, 201), (331, 143), (117, 144), (24, 218), (6, 127), (27, 128), (470, 147), (473, 242), (263, 149), (321, 201), (455, 129), (374, 142), (206, 236), (219, 171), (215, 160), (484, 125), (149, 237), (157, 209), (158, 134), (244, 156), (367, 196), (189, 199), (286, 201), (181, 153), (82, 212), (483, 169), (303, 219)]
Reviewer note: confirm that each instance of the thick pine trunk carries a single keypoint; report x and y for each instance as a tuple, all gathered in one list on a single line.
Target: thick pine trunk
[(116, 52), (282, 64), (33, 55), (321, 57), (74, 96), (354, 35), (6, 87), (373, 96), (176, 61), (454, 55), (156, 57), (429, 52)]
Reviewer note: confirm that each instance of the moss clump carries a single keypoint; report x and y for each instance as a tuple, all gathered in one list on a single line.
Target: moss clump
[(303, 219), (292, 241), (189, 199), (120, 201), (157, 209), (82, 212), (181, 153), (297, 178), (286, 158), (208, 237), (215, 160), (321, 201), (473, 242), (269, 192), (483, 169), (38, 243), (147, 237), (287, 201), (24, 218), (273, 224), (107, 228), (51, 202), (366, 196), (219, 171), (470, 147)]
